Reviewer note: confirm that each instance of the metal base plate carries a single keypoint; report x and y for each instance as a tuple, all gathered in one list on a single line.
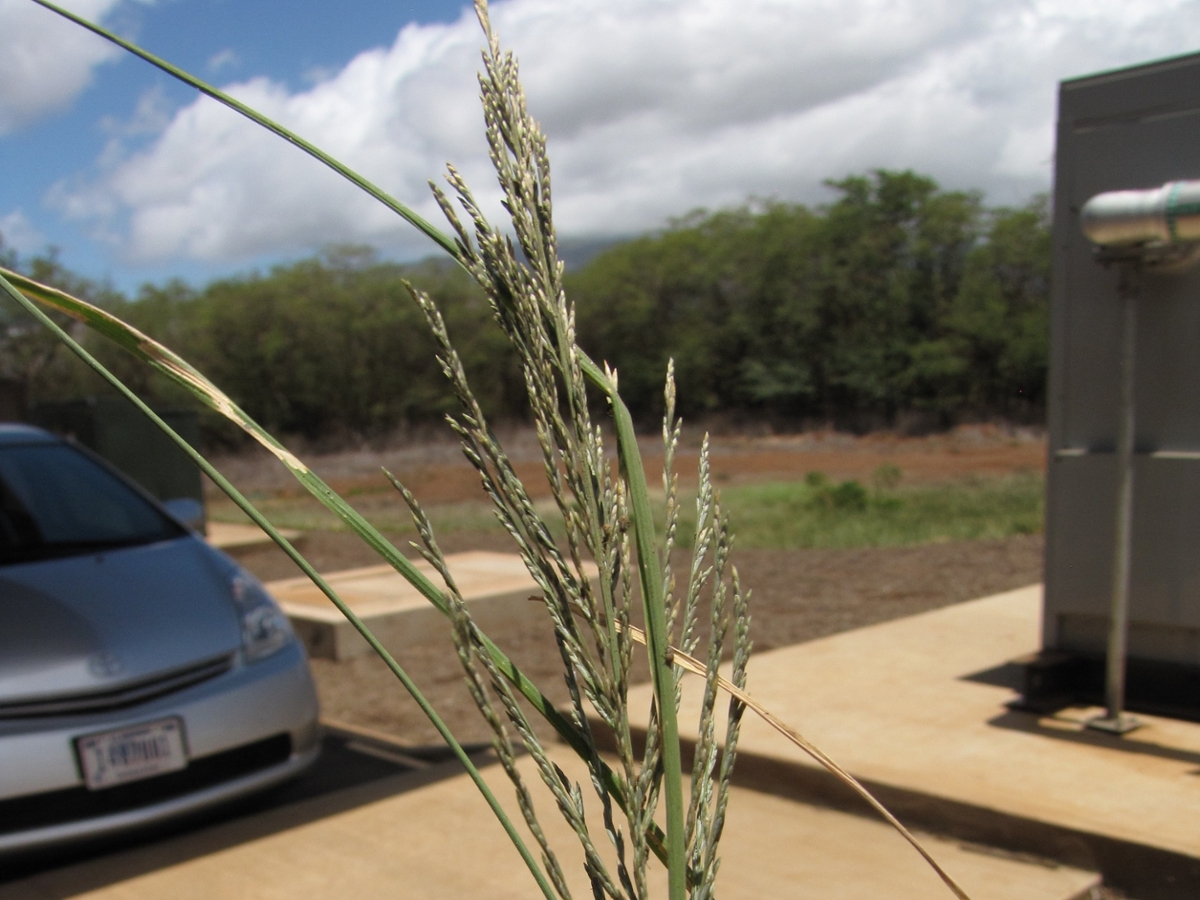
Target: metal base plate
[(1120, 724)]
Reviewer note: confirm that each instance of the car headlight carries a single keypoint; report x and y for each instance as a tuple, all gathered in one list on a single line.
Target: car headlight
[(265, 628)]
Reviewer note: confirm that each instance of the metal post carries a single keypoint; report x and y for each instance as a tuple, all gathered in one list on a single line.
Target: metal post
[(1115, 719)]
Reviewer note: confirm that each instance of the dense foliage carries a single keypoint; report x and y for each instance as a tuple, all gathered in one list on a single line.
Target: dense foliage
[(897, 298), (329, 347)]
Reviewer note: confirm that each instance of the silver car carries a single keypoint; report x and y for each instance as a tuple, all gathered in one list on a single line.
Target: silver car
[(143, 674)]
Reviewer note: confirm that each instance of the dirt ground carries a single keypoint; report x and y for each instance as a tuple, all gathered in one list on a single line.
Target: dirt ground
[(798, 595), (437, 473)]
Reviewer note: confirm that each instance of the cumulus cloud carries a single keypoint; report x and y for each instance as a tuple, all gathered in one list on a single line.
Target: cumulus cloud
[(47, 60), (226, 59), (653, 109), (18, 233)]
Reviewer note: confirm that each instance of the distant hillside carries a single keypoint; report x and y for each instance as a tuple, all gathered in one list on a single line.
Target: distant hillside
[(578, 252)]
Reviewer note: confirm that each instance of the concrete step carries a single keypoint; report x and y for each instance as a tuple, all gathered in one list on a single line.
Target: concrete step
[(233, 537), (496, 586)]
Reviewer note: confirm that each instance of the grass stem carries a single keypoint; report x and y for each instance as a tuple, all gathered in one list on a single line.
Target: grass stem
[(658, 642)]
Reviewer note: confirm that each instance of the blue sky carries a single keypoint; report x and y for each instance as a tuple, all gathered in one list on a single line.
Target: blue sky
[(219, 40), (653, 108)]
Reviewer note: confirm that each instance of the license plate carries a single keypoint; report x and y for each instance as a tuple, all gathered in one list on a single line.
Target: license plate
[(130, 754)]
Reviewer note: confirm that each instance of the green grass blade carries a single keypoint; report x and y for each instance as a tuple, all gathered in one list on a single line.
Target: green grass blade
[(237, 497), (417, 221), (658, 640)]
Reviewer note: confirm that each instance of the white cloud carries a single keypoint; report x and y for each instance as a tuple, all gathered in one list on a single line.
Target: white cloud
[(151, 116), (653, 107), (226, 59), (46, 60), (18, 233)]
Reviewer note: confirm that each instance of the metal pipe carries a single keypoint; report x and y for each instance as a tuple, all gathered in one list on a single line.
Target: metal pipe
[(1115, 719), (1165, 215), (1114, 680)]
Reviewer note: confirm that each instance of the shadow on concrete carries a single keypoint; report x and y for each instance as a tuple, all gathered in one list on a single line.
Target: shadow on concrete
[(1007, 675), (1051, 680), (352, 771), (1028, 718), (1030, 722)]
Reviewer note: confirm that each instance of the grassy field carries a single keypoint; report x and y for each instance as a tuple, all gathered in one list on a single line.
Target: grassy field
[(814, 512)]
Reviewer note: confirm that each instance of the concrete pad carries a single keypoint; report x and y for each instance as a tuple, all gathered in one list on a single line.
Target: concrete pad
[(234, 536), (435, 840), (497, 586), (896, 705)]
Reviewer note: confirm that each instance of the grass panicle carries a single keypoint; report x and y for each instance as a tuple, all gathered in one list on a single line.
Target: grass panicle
[(597, 510), (603, 518)]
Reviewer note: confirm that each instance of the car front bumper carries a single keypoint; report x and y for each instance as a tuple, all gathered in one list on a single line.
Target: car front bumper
[(246, 730)]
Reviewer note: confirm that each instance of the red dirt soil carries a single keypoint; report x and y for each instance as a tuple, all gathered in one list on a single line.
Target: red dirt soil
[(438, 473)]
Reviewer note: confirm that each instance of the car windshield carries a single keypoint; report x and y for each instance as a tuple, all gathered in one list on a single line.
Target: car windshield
[(56, 501)]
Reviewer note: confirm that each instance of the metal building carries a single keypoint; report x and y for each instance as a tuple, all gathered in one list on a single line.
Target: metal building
[(114, 428), (1130, 129)]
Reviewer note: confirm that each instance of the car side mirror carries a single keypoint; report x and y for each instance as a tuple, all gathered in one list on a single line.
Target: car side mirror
[(187, 510)]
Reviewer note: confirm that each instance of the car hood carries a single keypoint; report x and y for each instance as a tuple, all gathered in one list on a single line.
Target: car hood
[(97, 622)]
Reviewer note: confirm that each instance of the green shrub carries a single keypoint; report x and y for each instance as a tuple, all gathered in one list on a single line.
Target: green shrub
[(886, 477)]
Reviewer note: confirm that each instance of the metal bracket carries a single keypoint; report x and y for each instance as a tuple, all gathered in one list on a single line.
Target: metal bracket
[(1155, 257)]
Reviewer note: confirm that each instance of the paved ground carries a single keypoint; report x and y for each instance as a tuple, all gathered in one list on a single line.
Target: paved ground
[(888, 700), (348, 763), (423, 835)]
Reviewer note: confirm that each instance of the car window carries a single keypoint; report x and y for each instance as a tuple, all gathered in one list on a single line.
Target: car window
[(56, 501)]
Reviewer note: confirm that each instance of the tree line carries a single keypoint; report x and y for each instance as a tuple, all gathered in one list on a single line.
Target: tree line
[(896, 299)]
